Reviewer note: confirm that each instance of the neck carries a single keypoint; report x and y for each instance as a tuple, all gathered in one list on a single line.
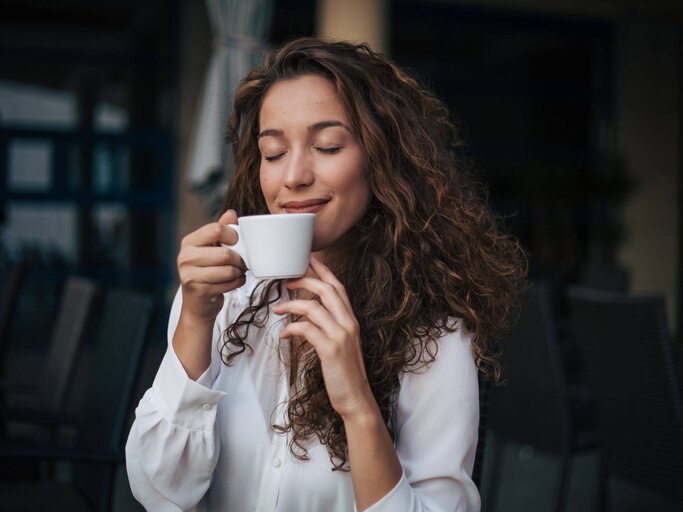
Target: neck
[(336, 255)]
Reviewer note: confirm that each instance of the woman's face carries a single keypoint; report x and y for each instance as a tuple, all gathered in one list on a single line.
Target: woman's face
[(310, 159)]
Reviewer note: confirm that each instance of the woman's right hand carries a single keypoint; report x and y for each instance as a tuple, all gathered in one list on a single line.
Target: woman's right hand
[(207, 269)]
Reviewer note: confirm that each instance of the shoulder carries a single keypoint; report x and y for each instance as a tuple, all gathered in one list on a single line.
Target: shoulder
[(451, 348), (449, 368), (441, 393)]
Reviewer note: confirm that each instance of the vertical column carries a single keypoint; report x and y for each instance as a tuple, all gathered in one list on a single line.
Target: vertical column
[(194, 55), (354, 20), (648, 112), (85, 228), (144, 172)]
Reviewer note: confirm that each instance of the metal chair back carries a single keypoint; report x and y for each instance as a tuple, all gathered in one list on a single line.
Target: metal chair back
[(9, 297), (532, 404), (627, 354), (114, 369), (75, 307)]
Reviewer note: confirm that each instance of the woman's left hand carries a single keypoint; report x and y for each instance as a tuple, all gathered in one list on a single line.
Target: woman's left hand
[(333, 331)]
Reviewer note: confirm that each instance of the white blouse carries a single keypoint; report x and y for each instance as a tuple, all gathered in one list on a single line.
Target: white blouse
[(210, 443)]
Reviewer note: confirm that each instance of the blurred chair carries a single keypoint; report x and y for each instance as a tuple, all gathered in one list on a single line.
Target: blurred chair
[(9, 298), (533, 406), (51, 383), (628, 357), (102, 420)]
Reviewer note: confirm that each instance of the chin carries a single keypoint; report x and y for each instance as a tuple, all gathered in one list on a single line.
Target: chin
[(323, 241), (332, 242), (319, 246)]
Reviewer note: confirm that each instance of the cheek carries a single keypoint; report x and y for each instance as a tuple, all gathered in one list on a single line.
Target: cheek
[(364, 200), (267, 186), (358, 187), (351, 177)]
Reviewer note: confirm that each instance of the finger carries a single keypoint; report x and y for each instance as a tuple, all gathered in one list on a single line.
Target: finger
[(225, 287), (209, 256), (229, 217), (213, 275), (305, 330), (329, 296), (211, 234), (327, 276), (314, 313)]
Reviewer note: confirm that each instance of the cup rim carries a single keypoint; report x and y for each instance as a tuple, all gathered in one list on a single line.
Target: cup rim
[(269, 215)]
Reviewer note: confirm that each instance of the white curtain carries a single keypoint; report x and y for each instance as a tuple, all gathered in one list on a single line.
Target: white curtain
[(239, 30)]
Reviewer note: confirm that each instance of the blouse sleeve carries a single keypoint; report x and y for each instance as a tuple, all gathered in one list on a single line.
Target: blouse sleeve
[(437, 427), (173, 445)]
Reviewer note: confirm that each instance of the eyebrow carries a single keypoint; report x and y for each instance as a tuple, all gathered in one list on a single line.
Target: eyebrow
[(316, 127), (327, 124)]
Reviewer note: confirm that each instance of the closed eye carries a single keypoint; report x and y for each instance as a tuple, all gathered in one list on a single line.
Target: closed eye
[(273, 158), (330, 150)]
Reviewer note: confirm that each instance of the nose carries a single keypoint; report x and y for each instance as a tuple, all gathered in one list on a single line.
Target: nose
[(299, 172)]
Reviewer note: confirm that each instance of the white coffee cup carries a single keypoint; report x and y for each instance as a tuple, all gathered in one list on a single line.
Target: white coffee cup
[(276, 246)]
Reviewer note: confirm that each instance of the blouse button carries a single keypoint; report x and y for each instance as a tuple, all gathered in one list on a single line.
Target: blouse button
[(277, 463), (207, 406)]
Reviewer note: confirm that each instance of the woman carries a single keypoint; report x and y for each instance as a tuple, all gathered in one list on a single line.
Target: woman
[(355, 385)]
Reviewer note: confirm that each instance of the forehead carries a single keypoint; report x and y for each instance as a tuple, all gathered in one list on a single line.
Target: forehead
[(309, 98)]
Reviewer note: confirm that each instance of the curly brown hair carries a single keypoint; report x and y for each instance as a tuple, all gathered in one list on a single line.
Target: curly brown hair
[(427, 252)]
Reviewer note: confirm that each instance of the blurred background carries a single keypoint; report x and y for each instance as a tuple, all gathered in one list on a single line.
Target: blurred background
[(112, 121)]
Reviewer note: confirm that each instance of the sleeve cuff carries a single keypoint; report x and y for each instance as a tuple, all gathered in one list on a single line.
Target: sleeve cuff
[(184, 402), (401, 497)]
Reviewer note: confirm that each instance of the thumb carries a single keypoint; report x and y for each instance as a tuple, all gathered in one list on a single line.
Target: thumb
[(229, 217)]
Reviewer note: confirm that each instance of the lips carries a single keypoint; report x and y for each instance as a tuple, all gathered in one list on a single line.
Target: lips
[(308, 206)]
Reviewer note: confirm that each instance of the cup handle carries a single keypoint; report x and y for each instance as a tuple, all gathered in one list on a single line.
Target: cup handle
[(239, 246)]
